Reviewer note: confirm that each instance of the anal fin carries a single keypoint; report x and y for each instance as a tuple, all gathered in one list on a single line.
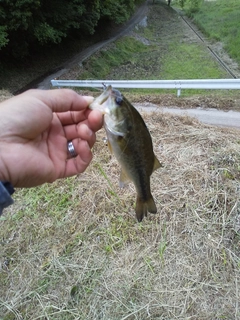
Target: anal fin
[(157, 164)]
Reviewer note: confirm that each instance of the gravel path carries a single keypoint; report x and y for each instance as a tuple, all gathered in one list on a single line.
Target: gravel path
[(230, 119)]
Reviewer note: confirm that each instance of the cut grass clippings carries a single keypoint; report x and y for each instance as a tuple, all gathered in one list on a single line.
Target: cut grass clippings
[(73, 250)]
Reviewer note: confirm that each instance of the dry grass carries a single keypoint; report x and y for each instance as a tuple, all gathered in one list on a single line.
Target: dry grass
[(74, 250)]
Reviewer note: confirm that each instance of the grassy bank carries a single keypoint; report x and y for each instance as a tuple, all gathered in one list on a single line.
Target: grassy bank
[(164, 49), (219, 20), (161, 50), (73, 250), (128, 58)]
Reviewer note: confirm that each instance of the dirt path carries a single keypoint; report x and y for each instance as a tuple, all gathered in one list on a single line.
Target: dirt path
[(230, 119), (83, 55)]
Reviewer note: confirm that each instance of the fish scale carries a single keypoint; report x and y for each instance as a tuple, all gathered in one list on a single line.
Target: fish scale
[(131, 143)]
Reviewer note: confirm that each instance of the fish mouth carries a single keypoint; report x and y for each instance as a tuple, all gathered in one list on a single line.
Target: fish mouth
[(100, 103)]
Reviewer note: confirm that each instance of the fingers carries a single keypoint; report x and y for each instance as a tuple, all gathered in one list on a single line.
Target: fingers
[(81, 162), (85, 129), (70, 107), (61, 100), (95, 119), (70, 117), (83, 138), (76, 133), (58, 110)]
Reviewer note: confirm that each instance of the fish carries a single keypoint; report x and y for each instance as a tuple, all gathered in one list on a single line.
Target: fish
[(131, 143)]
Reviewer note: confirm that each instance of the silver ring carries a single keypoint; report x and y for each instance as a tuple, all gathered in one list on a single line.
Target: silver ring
[(71, 149)]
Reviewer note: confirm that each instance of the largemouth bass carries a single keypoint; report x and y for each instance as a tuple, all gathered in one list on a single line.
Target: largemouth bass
[(131, 143)]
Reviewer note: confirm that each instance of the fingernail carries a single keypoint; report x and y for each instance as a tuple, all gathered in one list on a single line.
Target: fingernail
[(89, 99), (90, 133)]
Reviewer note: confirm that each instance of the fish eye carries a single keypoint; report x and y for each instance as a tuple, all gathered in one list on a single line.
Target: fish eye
[(118, 100)]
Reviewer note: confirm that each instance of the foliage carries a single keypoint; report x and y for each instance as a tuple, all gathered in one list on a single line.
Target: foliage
[(71, 250), (27, 23), (121, 9), (181, 3), (124, 51), (130, 58), (3, 37), (194, 5), (220, 20), (191, 5)]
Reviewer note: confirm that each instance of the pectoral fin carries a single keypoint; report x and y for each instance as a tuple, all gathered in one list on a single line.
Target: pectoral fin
[(109, 146), (123, 179), (156, 164)]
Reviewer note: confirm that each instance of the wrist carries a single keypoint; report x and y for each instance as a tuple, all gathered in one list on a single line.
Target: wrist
[(8, 186), (3, 168), (6, 190)]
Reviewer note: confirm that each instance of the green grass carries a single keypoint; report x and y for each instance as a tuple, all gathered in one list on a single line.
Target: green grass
[(220, 21), (186, 61), (130, 59), (122, 51), (73, 250), (166, 56)]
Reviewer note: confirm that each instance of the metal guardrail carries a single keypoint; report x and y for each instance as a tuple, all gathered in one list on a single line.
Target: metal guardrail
[(153, 84)]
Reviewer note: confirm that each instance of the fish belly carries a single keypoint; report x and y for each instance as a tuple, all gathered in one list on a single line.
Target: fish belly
[(136, 158)]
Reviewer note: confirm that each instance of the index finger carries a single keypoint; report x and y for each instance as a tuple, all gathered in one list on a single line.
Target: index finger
[(61, 100)]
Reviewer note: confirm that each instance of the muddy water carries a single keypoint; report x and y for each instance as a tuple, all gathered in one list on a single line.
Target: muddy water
[(207, 116)]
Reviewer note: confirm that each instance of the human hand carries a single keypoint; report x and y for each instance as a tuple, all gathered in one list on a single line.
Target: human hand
[(35, 128)]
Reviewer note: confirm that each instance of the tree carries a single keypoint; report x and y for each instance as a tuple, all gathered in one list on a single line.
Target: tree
[(3, 37), (26, 23), (119, 11)]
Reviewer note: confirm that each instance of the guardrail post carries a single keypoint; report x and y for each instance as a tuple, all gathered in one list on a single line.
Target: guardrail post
[(178, 92)]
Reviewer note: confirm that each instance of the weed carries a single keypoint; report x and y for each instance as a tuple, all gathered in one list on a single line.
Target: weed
[(163, 244), (73, 249), (112, 189), (220, 20)]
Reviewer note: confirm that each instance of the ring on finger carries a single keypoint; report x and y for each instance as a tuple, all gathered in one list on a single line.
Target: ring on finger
[(71, 150)]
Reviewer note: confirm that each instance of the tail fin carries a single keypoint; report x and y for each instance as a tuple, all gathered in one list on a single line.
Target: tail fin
[(143, 207)]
